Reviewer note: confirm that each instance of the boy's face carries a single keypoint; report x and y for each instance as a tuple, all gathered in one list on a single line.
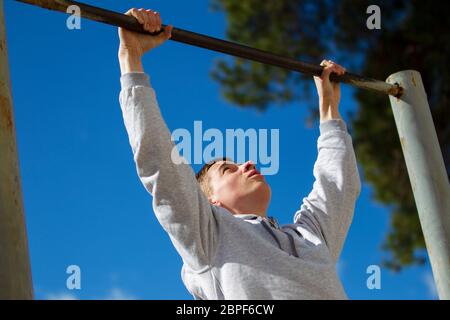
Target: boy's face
[(239, 187)]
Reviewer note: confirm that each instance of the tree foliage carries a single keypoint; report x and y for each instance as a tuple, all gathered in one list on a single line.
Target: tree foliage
[(414, 35)]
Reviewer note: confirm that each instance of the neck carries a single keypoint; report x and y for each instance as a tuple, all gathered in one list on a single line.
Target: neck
[(259, 211)]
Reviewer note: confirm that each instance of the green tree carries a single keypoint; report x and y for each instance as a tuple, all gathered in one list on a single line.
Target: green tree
[(414, 35)]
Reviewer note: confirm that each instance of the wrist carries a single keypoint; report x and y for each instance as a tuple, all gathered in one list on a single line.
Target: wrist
[(130, 61), (133, 51), (328, 110), (330, 114)]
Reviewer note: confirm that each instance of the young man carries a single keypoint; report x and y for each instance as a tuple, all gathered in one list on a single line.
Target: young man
[(219, 224)]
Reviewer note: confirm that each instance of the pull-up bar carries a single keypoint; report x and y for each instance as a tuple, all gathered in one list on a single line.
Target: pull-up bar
[(228, 47)]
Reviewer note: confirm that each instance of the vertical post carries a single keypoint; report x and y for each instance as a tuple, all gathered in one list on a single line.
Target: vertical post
[(426, 171), (15, 274)]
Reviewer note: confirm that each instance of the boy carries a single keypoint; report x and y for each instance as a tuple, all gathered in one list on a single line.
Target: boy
[(218, 223)]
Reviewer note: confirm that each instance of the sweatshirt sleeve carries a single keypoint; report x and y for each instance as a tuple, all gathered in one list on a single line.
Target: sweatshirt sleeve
[(178, 202), (328, 210)]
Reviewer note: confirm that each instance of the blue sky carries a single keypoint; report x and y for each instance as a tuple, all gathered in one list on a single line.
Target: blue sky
[(83, 201)]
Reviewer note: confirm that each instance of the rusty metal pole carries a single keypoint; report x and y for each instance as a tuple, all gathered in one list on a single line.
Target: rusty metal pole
[(15, 271), (219, 45), (426, 171)]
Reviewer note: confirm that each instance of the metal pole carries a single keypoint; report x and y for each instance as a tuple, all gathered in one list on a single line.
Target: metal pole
[(15, 273), (228, 47), (426, 171)]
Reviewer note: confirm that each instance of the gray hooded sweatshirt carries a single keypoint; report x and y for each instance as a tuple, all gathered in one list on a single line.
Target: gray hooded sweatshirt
[(244, 256)]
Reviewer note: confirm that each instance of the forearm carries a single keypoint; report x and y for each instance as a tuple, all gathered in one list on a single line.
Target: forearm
[(328, 110), (130, 62)]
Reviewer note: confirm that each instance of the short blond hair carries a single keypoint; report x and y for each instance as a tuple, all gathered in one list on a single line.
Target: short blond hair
[(203, 177)]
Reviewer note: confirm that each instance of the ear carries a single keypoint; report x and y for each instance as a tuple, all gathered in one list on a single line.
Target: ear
[(214, 201)]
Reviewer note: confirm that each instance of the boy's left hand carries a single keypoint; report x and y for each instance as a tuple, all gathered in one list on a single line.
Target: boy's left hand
[(329, 92)]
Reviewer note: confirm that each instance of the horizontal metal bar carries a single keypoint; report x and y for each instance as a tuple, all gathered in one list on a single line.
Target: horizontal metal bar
[(228, 47)]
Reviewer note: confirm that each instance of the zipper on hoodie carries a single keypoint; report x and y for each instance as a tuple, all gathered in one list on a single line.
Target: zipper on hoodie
[(273, 223)]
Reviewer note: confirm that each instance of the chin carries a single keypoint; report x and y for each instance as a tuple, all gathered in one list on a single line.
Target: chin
[(264, 192)]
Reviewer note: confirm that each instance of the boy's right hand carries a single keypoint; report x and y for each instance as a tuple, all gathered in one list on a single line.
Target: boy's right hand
[(137, 43)]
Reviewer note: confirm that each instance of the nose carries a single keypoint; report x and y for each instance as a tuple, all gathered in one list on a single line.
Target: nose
[(249, 165)]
